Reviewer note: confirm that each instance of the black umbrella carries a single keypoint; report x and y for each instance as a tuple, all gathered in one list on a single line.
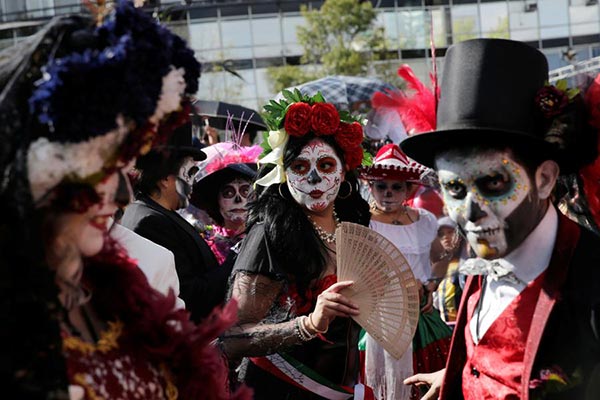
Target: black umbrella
[(217, 113)]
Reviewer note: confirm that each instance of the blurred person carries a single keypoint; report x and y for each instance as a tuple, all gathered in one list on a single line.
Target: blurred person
[(80, 320), (164, 185)]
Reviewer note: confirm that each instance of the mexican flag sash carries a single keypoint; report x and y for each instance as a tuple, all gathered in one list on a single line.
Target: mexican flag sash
[(292, 371)]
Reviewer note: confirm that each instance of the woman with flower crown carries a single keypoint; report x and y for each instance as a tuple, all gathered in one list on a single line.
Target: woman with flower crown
[(293, 329), (83, 322)]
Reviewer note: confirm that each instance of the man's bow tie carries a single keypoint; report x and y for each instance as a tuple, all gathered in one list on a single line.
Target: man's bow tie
[(496, 269)]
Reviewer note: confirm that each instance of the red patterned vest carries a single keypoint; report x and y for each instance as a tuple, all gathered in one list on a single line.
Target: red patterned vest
[(494, 366)]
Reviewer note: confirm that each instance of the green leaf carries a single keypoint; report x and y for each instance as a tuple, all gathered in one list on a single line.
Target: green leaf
[(572, 92), (562, 85), (367, 159), (318, 98)]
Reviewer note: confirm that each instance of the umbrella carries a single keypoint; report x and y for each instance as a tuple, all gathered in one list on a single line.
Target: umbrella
[(344, 90), (217, 112)]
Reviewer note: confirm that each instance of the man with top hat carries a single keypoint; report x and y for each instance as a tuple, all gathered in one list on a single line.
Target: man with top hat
[(164, 185), (529, 321)]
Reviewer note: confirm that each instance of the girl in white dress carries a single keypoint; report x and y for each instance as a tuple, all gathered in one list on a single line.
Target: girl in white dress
[(391, 180)]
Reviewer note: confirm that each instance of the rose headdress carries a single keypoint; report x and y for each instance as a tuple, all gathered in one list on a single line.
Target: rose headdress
[(298, 115)]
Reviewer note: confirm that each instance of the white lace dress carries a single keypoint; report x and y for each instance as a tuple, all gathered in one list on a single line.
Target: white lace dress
[(383, 372)]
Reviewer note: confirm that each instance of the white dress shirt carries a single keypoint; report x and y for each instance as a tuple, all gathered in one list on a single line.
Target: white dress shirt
[(156, 262), (528, 261)]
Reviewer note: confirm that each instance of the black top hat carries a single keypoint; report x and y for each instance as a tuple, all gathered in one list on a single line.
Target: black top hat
[(181, 140), (487, 96)]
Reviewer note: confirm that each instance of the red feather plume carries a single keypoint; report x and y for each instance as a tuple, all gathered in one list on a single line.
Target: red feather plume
[(417, 110)]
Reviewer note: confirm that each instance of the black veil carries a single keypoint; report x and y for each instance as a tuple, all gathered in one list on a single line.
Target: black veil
[(31, 363)]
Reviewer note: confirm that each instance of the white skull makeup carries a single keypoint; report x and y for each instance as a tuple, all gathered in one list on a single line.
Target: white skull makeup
[(232, 200), (389, 195), (481, 192), (315, 176), (185, 181)]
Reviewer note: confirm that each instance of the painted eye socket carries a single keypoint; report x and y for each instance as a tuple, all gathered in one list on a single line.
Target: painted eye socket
[(244, 190), (228, 192), (382, 187), (455, 189), (192, 172), (300, 167), (327, 165), (494, 185)]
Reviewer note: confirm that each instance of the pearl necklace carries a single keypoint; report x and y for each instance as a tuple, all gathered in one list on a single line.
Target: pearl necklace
[(327, 237)]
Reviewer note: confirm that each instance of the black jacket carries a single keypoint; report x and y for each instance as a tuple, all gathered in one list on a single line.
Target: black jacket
[(202, 281)]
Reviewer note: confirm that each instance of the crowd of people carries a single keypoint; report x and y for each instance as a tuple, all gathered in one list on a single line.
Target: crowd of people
[(139, 264)]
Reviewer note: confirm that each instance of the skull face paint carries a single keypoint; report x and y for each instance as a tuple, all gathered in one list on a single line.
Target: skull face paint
[(232, 200), (490, 196), (184, 181), (315, 176), (389, 195)]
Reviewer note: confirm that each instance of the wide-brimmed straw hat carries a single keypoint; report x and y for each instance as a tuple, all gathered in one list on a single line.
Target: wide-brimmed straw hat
[(392, 164)]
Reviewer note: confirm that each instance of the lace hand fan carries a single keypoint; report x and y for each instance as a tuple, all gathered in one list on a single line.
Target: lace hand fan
[(384, 287)]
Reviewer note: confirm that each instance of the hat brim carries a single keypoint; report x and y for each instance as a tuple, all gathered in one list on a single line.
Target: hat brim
[(194, 152), (424, 147), (380, 173)]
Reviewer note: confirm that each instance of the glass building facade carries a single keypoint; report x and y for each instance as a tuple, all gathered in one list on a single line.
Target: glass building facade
[(249, 36)]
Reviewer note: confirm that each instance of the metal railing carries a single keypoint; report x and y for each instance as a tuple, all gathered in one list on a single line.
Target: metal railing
[(587, 66)]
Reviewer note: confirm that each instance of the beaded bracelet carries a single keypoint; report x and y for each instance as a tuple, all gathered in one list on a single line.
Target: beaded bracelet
[(301, 331)]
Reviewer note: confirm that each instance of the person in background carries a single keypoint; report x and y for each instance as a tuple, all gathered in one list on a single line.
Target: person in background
[(392, 178), (164, 185), (223, 192), (447, 252)]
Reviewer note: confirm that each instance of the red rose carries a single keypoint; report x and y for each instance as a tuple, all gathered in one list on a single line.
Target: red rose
[(324, 119), (349, 135), (297, 119), (354, 157)]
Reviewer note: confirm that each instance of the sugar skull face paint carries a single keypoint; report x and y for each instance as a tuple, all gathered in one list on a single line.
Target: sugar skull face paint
[(490, 196), (315, 176), (232, 199), (389, 195), (185, 181)]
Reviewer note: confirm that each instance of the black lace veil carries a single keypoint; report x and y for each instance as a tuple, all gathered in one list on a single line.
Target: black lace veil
[(32, 366)]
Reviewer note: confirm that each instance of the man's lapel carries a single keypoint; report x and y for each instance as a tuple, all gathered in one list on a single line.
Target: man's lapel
[(556, 274), (187, 227)]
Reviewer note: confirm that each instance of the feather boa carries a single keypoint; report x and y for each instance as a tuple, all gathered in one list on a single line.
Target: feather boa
[(157, 331)]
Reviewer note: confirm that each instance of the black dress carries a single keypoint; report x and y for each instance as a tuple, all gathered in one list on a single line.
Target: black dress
[(336, 359)]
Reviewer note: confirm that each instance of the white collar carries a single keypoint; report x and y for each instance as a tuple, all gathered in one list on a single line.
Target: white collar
[(532, 257)]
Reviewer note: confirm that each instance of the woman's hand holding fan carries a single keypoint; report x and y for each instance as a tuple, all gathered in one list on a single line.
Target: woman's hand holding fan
[(331, 304), (384, 288)]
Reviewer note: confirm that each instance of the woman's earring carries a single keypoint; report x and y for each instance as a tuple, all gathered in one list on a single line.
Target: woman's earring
[(349, 191)]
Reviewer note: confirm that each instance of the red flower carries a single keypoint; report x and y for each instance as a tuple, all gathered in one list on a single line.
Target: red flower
[(297, 119), (353, 157), (551, 101), (349, 135), (324, 119)]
